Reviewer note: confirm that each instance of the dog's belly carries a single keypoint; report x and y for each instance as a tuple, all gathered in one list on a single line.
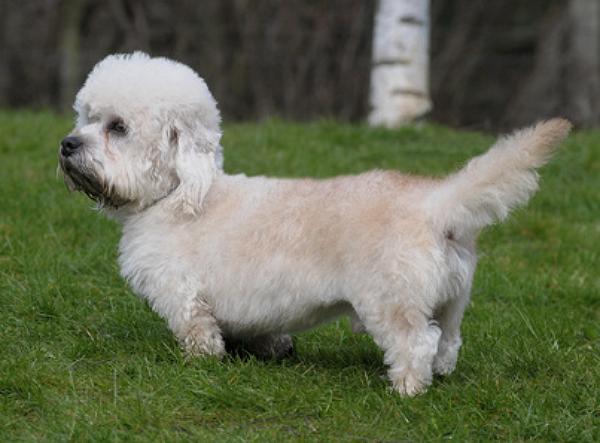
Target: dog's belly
[(259, 316)]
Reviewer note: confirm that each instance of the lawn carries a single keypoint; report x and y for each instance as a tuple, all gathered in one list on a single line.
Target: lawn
[(82, 359)]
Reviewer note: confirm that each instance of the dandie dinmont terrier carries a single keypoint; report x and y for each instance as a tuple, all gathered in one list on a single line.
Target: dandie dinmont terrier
[(253, 258)]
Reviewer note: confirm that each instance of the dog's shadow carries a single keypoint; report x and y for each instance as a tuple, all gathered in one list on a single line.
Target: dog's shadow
[(355, 355), (346, 356)]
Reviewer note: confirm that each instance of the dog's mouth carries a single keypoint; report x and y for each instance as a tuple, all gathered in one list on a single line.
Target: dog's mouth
[(84, 179)]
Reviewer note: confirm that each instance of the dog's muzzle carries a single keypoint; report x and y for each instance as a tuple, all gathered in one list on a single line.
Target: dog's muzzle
[(74, 167), (81, 177)]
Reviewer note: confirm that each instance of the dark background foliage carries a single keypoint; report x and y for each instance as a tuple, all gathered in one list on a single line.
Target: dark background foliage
[(494, 63)]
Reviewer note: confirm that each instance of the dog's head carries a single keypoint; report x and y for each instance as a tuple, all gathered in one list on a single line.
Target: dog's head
[(147, 129)]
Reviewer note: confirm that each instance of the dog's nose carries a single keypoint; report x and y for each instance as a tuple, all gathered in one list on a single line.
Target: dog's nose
[(69, 145)]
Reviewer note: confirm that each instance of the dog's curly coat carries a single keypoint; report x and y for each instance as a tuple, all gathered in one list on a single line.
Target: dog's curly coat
[(254, 258)]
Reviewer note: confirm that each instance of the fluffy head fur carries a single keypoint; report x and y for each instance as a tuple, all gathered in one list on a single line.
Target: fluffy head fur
[(169, 145), (250, 259)]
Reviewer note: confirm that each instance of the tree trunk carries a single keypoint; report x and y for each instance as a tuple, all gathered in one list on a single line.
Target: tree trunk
[(583, 68), (69, 51), (400, 71)]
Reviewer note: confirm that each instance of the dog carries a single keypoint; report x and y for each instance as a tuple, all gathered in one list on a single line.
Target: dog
[(253, 259)]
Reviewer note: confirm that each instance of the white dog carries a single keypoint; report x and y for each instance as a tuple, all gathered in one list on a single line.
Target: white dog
[(253, 258)]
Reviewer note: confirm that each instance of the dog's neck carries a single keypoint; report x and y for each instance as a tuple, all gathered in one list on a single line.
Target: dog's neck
[(131, 211)]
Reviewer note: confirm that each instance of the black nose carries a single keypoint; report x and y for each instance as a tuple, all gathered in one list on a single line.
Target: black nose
[(69, 145)]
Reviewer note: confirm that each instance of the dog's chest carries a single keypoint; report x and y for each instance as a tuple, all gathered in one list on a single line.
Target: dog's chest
[(154, 262)]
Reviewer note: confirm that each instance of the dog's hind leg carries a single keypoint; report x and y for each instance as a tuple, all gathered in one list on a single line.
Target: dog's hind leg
[(449, 317), (409, 340), (200, 334), (462, 261)]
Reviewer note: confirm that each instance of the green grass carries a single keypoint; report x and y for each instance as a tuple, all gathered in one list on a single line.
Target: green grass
[(82, 359)]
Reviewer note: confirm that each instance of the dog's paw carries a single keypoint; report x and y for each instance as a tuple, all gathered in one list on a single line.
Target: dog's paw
[(199, 342), (409, 385), (445, 360), (275, 347), (444, 365), (264, 347)]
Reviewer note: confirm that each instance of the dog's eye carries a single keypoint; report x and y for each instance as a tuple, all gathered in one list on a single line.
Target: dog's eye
[(117, 126)]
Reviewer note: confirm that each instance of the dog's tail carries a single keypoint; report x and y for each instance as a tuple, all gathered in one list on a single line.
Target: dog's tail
[(494, 183)]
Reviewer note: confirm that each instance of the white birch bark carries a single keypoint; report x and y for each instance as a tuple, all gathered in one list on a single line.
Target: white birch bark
[(400, 72)]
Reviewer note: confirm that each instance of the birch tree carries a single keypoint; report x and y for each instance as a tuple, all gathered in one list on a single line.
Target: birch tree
[(400, 71), (69, 51)]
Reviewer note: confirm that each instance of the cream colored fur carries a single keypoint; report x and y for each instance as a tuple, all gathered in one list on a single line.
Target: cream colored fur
[(254, 258)]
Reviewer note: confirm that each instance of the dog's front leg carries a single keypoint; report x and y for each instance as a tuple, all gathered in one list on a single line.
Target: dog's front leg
[(200, 334)]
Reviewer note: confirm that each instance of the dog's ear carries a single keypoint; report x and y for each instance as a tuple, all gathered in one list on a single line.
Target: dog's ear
[(195, 164)]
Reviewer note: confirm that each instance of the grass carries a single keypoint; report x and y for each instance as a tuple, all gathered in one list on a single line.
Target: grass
[(82, 359)]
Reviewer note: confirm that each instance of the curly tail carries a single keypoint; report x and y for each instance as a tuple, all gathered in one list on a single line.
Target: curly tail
[(492, 184)]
